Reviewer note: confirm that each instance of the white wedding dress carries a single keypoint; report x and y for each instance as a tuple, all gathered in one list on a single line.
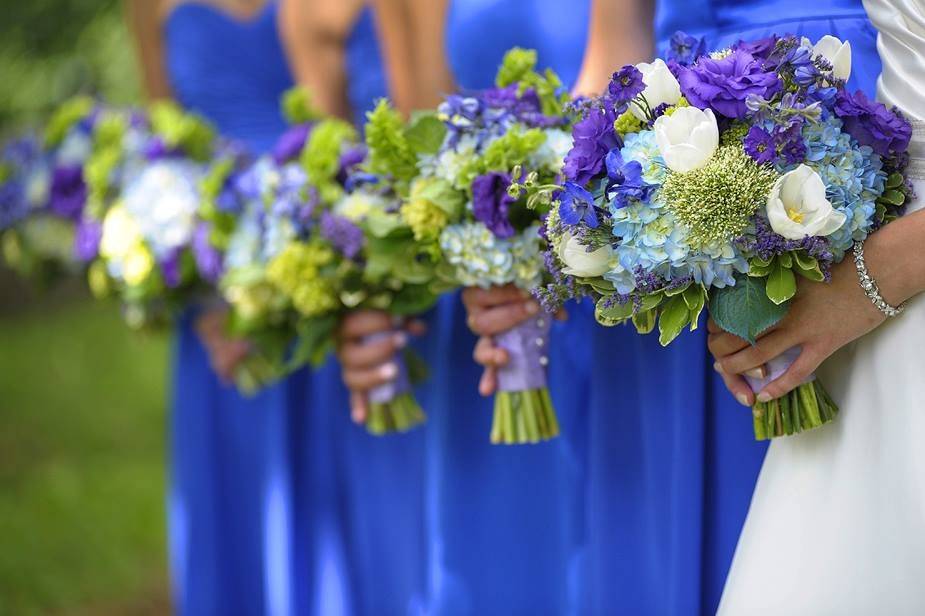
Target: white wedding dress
[(837, 521)]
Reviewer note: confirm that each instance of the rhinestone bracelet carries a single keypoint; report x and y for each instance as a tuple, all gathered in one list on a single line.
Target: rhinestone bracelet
[(871, 290)]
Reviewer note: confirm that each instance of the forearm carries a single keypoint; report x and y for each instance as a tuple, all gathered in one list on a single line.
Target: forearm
[(619, 32), (896, 259), (143, 18)]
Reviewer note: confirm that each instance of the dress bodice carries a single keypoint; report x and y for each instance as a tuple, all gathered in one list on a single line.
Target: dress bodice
[(232, 71), (480, 31), (723, 22)]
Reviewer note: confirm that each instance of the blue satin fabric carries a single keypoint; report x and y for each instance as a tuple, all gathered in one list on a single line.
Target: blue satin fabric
[(672, 457), (505, 523)]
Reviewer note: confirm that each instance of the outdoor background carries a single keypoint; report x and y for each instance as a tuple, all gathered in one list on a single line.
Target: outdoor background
[(82, 399)]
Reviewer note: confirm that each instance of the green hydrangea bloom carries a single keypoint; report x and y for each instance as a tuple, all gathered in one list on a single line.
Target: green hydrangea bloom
[(297, 106), (321, 156), (182, 130), (296, 272), (65, 117), (429, 207), (627, 123), (390, 154), (502, 154)]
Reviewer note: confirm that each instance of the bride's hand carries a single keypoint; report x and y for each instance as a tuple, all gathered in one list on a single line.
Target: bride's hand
[(823, 317), (365, 363)]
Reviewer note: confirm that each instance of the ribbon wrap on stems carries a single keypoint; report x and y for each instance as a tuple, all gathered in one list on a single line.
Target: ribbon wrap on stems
[(806, 407), (523, 407), (392, 406)]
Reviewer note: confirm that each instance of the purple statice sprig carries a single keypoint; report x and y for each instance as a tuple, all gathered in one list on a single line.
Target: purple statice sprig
[(343, 234), (765, 244)]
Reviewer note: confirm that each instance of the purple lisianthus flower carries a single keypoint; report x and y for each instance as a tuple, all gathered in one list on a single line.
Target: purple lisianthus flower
[(626, 84), (290, 144), (871, 123), (724, 84), (790, 144), (349, 160), (155, 149), (576, 205), (171, 269), (625, 180), (760, 145), (208, 258), (346, 237), (685, 49), (87, 237), (592, 138), (760, 48), (491, 201), (68, 192)]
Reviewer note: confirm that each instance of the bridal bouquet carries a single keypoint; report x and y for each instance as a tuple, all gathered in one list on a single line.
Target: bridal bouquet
[(141, 227), (716, 181), (470, 178)]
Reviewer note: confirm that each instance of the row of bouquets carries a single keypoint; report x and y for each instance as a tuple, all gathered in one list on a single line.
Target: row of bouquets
[(707, 181)]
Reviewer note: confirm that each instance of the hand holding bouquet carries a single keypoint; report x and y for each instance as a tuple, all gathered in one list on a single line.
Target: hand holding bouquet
[(715, 181)]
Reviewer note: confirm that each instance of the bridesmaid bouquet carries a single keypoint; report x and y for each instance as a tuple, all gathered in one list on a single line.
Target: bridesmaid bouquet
[(470, 179), (140, 229), (716, 180)]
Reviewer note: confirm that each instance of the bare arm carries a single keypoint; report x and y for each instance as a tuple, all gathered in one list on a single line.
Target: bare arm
[(620, 32), (314, 33), (144, 22), (412, 37)]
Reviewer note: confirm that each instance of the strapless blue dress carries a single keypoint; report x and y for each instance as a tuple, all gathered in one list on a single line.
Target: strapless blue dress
[(673, 461), (505, 523)]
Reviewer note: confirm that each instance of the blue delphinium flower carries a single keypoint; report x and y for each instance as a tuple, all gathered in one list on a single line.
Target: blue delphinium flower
[(576, 205), (624, 180), (685, 48), (760, 145)]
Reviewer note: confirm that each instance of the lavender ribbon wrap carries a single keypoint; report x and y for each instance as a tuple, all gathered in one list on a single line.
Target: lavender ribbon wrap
[(776, 367), (526, 345), (401, 384)]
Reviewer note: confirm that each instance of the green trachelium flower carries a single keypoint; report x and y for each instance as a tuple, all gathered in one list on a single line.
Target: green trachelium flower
[(182, 130), (297, 106), (65, 117), (518, 66), (716, 201), (390, 153), (321, 156)]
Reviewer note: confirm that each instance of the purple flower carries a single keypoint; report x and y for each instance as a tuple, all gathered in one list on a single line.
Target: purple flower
[(490, 202), (872, 124), (592, 138), (208, 258), (723, 85), (155, 149), (800, 62), (171, 269), (87, 239), (685, 49), (626, 84), (68, 192), (790, 144), (625, 180), (350, 159), (760, 48), (760, 145), (576, 205), (343, 234), (290, 144)]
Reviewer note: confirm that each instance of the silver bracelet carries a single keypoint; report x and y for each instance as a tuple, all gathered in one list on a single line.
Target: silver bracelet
[(871, 290)]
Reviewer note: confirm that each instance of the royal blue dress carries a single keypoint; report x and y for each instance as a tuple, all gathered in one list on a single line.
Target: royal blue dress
[(673, 460), (505, 523)]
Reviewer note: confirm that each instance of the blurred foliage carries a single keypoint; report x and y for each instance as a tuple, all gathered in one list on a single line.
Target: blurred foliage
[(51, 50), (82, 426)]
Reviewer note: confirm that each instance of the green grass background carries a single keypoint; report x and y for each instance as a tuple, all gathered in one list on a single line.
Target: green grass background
[(82, 399)]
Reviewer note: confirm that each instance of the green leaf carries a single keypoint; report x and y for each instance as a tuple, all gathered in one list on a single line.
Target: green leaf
[(439, 192), (895, 180), (893, 197), (696, 298), (781, 285), (612, 314), (425, 134), (675, 315), (651, 301), (383, 224), (644, 321), (677, 291), (785, 260), (808, 266), (744, 310), (314, 341)]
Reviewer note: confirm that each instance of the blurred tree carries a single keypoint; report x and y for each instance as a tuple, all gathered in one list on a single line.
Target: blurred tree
[(51, 50)]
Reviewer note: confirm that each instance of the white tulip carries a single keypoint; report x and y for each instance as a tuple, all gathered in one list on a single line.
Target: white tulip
[(797, 206), (661, 87), (838, 54), (579, 262), (687, 138)]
